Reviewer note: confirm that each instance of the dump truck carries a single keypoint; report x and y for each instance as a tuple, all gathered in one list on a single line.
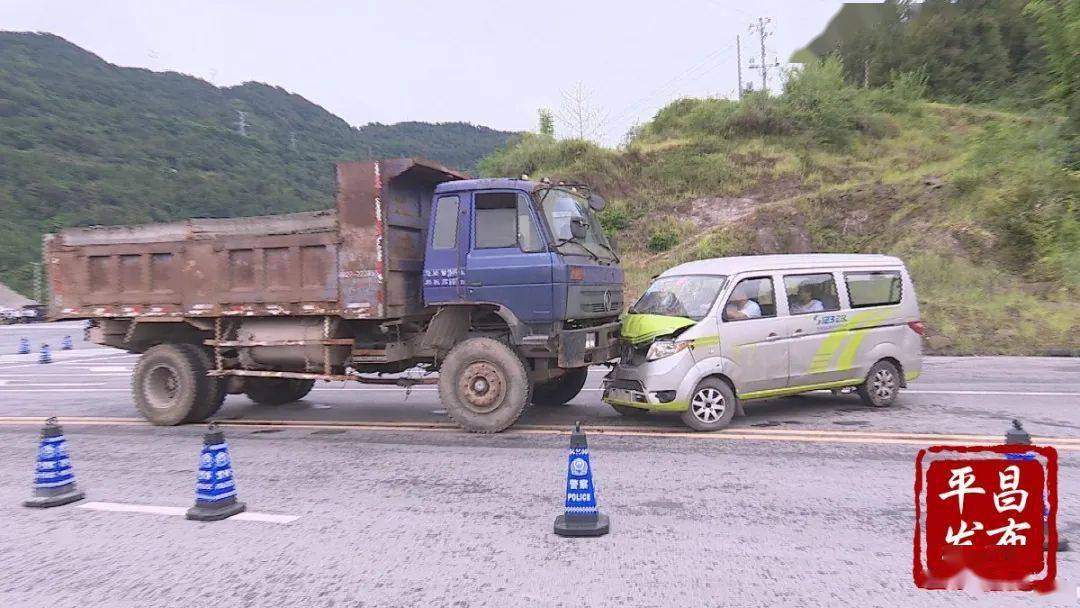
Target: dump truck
[(507, 288)]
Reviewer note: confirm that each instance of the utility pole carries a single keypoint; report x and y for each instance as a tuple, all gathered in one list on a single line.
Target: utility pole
[(762, 29), (738, 59)]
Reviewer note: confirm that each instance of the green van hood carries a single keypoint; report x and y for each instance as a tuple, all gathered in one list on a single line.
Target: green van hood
[(645, 328)]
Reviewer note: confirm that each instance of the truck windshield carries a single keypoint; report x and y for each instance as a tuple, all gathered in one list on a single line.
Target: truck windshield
[(560, 207), (689, 296)]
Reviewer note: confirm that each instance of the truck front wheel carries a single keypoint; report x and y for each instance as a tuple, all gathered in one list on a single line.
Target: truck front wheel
[(277, 391), (562, 389), (483, 385), (170, 385)]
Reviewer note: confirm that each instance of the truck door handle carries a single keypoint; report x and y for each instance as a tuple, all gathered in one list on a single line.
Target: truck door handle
[(798, 331), (772, 335)]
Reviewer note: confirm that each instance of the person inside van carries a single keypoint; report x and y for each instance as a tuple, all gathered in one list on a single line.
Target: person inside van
[(803, 301), (740, 306)]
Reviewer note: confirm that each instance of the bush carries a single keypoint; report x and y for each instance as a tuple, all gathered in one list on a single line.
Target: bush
[(662, 239), (821, 103)]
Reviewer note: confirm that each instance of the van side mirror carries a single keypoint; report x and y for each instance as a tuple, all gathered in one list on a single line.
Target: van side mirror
[(597, 202), (579, 227)]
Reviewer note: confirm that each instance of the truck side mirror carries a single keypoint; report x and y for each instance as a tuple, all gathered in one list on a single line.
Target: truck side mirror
[(597, 202), (579, 227)]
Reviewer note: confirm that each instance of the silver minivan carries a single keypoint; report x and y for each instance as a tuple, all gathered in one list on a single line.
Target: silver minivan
[(710, 334)]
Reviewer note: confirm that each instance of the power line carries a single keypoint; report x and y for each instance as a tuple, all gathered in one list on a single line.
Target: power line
[(694, 70)]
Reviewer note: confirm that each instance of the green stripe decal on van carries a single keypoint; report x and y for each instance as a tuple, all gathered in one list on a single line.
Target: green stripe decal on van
[(706, 341), (644, 328), (793, 390), (850, 332)]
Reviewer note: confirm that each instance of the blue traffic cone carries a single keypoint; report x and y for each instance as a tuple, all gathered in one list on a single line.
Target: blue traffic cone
[(66, 344), (1018, 436), (46, 356), (24, 346), (54, 481), (582, 518), (215, 489)]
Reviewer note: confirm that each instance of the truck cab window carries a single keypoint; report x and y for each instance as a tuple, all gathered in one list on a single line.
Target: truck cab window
[(497, 221), (446, 221), (528, 237)]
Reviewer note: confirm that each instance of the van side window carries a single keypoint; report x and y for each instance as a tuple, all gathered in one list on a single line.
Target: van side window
[(751, 299), (496, 220), (446, 221), (807, 293), (876, 288)]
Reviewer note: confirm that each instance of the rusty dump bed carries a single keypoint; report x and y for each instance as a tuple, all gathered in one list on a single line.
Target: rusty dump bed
[(362, 259)]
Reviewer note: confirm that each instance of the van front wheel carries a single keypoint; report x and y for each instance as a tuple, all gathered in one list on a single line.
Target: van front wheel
[(712, 406), (882, 385)]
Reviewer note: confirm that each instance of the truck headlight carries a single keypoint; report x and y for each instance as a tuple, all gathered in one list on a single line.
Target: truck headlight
[(664, 348), (590, 340)]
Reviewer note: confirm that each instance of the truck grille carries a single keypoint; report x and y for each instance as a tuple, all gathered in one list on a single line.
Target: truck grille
[(600, 301)]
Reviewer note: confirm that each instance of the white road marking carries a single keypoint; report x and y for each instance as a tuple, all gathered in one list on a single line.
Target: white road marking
[(1009, 393), (111, 368), (117, 507), (112, 357), (5, 383)]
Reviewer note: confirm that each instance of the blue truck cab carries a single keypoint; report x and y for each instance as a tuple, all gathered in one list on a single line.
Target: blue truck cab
[(530, 265)]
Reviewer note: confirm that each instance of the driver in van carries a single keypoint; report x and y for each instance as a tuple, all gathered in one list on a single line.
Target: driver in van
[(804, 301), (740, 306)]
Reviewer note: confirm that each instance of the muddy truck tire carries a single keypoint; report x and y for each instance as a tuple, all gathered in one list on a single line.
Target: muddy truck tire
[(170, 385), (483, 385), (562, 389), (277, 391)]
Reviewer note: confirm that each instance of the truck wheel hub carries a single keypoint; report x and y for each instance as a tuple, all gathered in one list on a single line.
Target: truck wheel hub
[(161, 386), (482, 387)]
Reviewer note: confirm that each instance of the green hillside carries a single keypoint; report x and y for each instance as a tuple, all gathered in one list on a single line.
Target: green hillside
[(86, 142), (979, 202)]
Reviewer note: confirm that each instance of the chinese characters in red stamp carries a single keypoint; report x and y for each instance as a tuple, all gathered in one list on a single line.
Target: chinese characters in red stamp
[(985, 516)]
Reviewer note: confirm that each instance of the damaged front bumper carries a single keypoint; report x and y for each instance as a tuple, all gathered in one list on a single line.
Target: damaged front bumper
[(650, 385)]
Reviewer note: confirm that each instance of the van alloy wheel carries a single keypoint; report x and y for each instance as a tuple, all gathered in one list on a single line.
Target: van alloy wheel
[(712, 406), (708, 405), (884, 385)]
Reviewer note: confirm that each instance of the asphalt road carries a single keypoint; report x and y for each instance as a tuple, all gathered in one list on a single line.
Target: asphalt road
[(805, 501)]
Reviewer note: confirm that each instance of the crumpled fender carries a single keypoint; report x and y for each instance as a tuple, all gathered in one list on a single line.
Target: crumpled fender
[(639, 328)]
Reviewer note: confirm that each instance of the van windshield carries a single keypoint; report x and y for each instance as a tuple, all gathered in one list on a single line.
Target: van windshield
[(689, 296)]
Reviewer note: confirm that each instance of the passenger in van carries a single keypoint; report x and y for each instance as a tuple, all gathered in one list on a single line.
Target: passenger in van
[(804, 301), (740, 306)]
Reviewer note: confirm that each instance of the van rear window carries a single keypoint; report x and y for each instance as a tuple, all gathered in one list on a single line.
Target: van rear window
[(876, 288)]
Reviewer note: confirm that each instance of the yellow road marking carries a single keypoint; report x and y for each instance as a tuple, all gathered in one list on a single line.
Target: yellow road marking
[(796, 435)]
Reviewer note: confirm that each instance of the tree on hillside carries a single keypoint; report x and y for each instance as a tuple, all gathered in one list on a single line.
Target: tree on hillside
[(580, 118), (547, 123), (1059, 25), (969, 50)]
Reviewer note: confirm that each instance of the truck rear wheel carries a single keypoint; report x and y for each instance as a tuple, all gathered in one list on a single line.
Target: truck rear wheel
[(170, 385), (213, 403), (562, 389), (483, 385), (277, 391)]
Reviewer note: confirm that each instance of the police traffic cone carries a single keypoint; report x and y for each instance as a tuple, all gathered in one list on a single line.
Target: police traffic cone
[(45, 356), (65, 344), (215, 489), (582, 517), (1018, 436), (24, 346), (54, 481)]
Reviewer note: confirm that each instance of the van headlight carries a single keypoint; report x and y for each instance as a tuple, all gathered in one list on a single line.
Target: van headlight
[(664, 348)]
